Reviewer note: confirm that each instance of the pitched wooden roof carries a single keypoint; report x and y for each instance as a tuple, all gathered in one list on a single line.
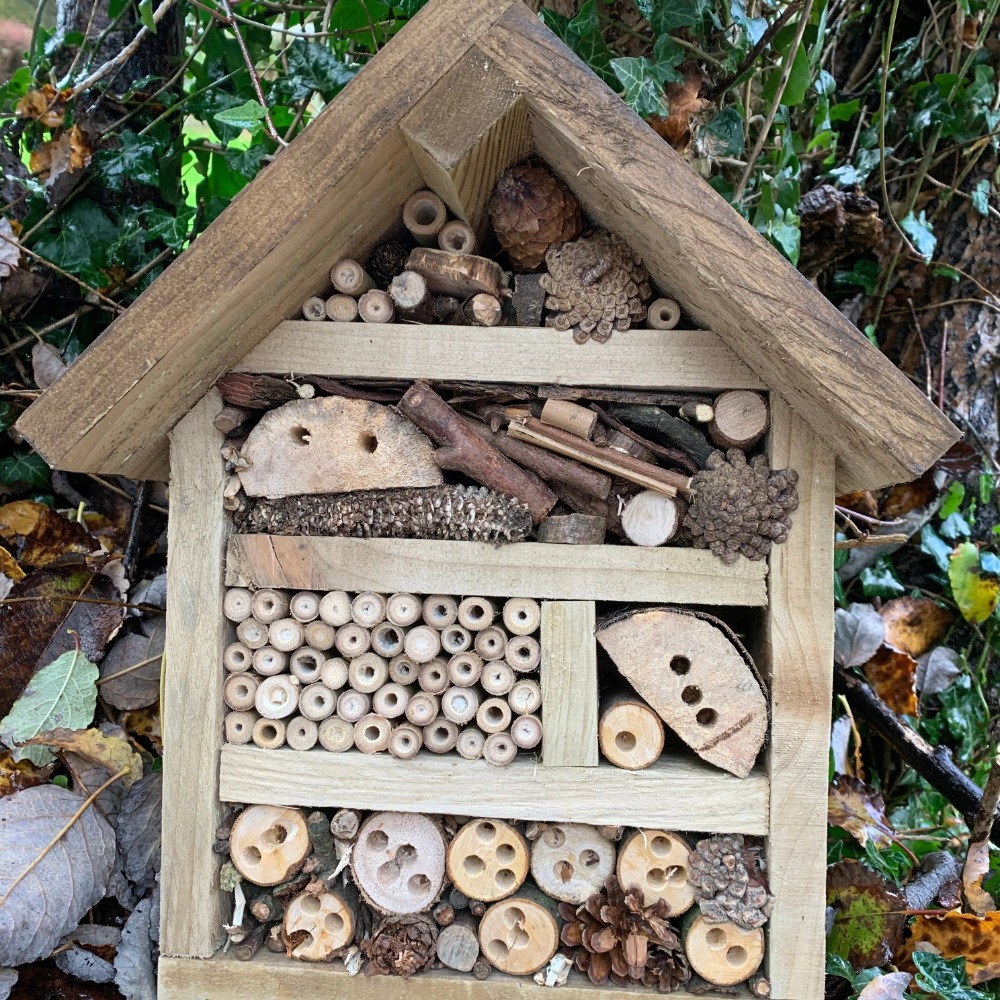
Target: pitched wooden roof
[(460, 73)]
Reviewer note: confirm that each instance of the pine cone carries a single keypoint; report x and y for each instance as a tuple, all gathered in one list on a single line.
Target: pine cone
[(461, 513), (530, 210), (596, 284), (739, 508), (388, 260), (728, 882), (401, 946), (618, 938)]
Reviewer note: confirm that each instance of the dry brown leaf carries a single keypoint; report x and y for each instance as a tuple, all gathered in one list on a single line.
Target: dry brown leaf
[(955, 935), (47, 105), (861, 502), (905, 497), (110, 752), (914, 624), (683, 102), (47, 364), (9, 566), (145, 723), (44, 538), (18, 774), (893, 675), (858, 809), (977, 866), (67, 154)]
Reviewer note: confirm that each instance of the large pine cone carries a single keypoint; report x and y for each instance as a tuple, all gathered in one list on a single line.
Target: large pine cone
[(596, 285), (530, 210), (728, 882), (739, 508), (401, 946)]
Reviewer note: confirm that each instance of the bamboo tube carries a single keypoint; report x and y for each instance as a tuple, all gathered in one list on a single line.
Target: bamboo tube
[(433, 677), (663, 314), (405, 741), (240, 691), (268, 661), (422, 644), (491, 643), (387, 640), (304, 606), (314, 309), (368, 609), (375, 306), (497, 678), (403, 609), (402, 670), (333, 673), (629, 732), (252, 633), (350, 278), (464, 669), (335, 608), (285, 634), (470, 743), (277, 697), (439, 611), (424, 215), (371, 733), (336, 735), (499, 749), (493, 715), (476, 613), (301, 733), (440, 736), (525, 697), (239, 727), (457, 237), (459, 704), (306, 664), (523, 653), (390, 700), (526, 731), (368, 672), (521, 615), (237, 604), (353, 705), (237, 657), (571, 417), (269, 605), (317, 702), (341, 308), (269, 734), (319, 635), (455, 639), (422, 708), (352, 640)]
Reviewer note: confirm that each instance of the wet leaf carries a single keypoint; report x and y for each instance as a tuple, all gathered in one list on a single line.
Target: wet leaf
[(135, 973), (16, 775), (139, 831), (905, 497), (957, 935), (937, 669), (130, 673), (976, 868), (9, 567), (41, 537), (91, 953), (914, 624), (110, 752), (868, 928), (144, 723), (859, 631), (893, 675), (860, 810), (891, 986), (683, 102), (975, 591), (46, 364)]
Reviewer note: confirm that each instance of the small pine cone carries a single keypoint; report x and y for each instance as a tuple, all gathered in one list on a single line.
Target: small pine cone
[(740, 508), (531, 209), (401, 946), (387, 261), (728, 882), (667, 969)]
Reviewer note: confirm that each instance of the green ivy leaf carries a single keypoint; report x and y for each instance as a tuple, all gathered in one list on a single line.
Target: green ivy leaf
[(952, 500), (136, 159), (880, 580), (174, 230), (920, 232), (246, 162), (669, 15), (146, 14), (24, 468), (79, 241), (981, 196), (943, 978), (249, 116), (312, 67), (933, 545), (408, 7), (7, 416), (723, 135), (864, 274), (836, 965), (643, 91)]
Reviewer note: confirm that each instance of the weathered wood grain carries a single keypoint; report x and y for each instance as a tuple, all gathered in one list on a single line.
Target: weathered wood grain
[(567, 572)]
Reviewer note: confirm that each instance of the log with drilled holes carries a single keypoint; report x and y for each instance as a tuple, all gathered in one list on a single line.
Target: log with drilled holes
[(487, 860), (520, 934), (629, 733), (722, 954), (269, 844), (570, 861), (316, 927), (657, 861)]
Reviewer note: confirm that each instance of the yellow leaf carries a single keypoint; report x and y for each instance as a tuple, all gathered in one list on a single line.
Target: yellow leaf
[(110, 752), (47, 105), (9, 567), (975, 592), (18, 774), (893, 674), (955, 935)]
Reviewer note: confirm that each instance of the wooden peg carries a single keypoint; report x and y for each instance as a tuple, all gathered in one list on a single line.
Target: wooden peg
[(345, 824), (525, 697), (663, 314), (422, 708), (319, 635), (375, 306), (341, 308), (334, 673), (433, 677), (387, 640), (440, 736), (573, 529), (411, 297), (570, 861), (237, 604), (491, 643), (285, 634), (455, 639), (335, 608), (493, 715), (457, 237), (390, 700), (352, 640), (571, 417), (424, 216), (277, 697), (252, 633), (487, 860), (314, 309), (465, 669), (350, 278), (403, 610), (405, 741), (458, 943), (459, 704), (499, 749), (741, 419), (237, 657), (722, 954), (353, 705), (519, 935), (650, 518), (317, 702), (269, 734), (476, 613), (402, 670), (301, 733), (497, 678), (629, 732), (371, 733), (268, 844), (240, 691), (439, 611), (521, 615), (269, 605), (239, 727), (422, 644), (657, 862), (306, 664), (523, 653), (470, 743), (483, 309), (304, 606), (336, 735), (317, 926), (526, 731), (368, 672)]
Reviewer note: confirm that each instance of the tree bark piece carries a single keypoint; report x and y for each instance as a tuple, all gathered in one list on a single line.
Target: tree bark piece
[(483, 309), (657, 861), (424, 215), (464, 451), (314, 309), (650, 518), (722, 954), (487, 860), (332, 444), (630, 733), (350, 278), (458, 943), (663, 314), (570, 417), (412, 298), (457, 237), (698, 681), (341, 308), (317, 927), (375, 306), (255, 392), (741, 418), (520, 934), (675, 430), (230, 418), (458, 274), (574, 529), (570, 861), (528, 300), (268, 844), (398, 862), (628, 444)]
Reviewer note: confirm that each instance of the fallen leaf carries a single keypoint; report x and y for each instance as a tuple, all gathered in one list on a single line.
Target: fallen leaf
[(88, 777), (903, 498), (46, 364), (9, 567), (42, 537), (8, 977), (868, 926), (135, 972), (891, 986), (840, 738), (960, 459), (861, 502), (859, 631), (49, 901), (976, 868), (139, 831), (893, 673), (47, 105), (144, 723), (110, 752), (130, 672), (914, 624), (961, 935), (937, 669), (10, 249), (859, 809), (975, 591), (16, 775), (91, 952), (683, 101)]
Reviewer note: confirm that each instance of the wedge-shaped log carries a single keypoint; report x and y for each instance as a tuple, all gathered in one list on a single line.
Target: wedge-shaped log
[(689, 668), (335, 445)]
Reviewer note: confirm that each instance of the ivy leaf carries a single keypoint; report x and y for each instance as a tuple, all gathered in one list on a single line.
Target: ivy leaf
[(880, 580), (723, 135), (313, 67), (975, 592), (146, 14), (136, 159), (940, 976), (981, 196), (920, 232), (246, 162), (249, 116), (643, 91), (174, 230), (798, 80), (669, 15), (79, 243), (583, 35), (24, 467), (933, 545)]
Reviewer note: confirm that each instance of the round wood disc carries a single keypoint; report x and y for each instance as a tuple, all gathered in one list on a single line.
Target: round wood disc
[(268, 844), (326, 920), (657, 862), (724, 954), (518, 936), (570, 861), (487, 860)]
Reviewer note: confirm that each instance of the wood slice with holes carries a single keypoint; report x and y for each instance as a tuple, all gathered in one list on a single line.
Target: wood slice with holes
[(268, 844), (629, 732), (520, 935), (334, 445), (487, 860), (316, 927), (570, 861), (722, 954), (398, 862), (689, 670), (657, 862)]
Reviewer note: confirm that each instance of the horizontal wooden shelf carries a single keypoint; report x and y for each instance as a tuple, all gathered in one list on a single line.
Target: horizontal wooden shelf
[(525, 569), (636, 359), (676, 793)]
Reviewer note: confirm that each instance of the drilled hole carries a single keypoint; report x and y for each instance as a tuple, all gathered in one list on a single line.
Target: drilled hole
[(660, 846), (513, 916), (300, 436), (589, 858), (563, 870), (497, 950), (369, 443), (418, 884), (252, 856), (736, 955), (440, 611), (378, 840), (656, 877), (486, 832), (625, 741), (554, 836), (391, 699), (505, 879), (677, 875), (691, 695), (474, 865), (455, 241), (310, 905), (522, 939), (334, 923), (506, 854), (680, 664), (706, 717), (716, 938)]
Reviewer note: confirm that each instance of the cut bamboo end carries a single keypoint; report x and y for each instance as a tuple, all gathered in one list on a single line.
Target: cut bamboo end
[(277, 697), (424, 216), (402, 670), (476, 613), (493, 715), (268, 844), (405, 741), (336, 735), (391, 700), (525, 697), (341, 308), (422, 708), (304, 606), (457, 237), (269, 734), (722, 954), (314, 309), (491, 643), (368, 609), (371, 733), (741, 419), (518, 936), (433, 677), (422, 644), (317, 926), (470, 743), (487, 860), (237, 657), (237, 604), (570, 861), (523, 653), (630, 733), (285, 634), (301, 733), (240, 691), (319, 635), (252, 633), (335, 608), (350, 278), (650, 518), (306, 664), (465, 669), (333, 673), (368, 672), (455, 639), (239, 727), (387, 640), (440, 736), (269, 605), (317, 702), (526, 731), (439, 611), (459, 704), (497, 678), (663, 314), (522, 615), (571, 417), (375, 306), (657, 862), (353, 705), (352, 640), (403, 610), (499, 749)]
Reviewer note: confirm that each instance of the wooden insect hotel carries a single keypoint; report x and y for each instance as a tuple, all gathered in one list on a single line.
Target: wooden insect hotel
[(502, 460)]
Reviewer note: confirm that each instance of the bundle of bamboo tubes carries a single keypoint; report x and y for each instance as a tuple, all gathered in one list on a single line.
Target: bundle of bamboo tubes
[(383, 672)]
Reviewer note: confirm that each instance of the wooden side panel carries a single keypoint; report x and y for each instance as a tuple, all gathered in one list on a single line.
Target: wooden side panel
[(640, 359), (798, 640), (526, 569), (193, 908), (569, 684), (466, 132), (678, 792)]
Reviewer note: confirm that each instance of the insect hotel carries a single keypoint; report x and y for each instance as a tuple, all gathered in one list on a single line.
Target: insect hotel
[(502, 460)]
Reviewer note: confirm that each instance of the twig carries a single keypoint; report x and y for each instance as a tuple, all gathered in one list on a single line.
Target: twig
[(983, 823), (871, 542), (127, 670), (129, 554), (147, 608)]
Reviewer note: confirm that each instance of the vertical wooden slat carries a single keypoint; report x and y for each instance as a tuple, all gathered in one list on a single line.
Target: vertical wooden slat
[(193, 908), (798, 641), (569, 684)]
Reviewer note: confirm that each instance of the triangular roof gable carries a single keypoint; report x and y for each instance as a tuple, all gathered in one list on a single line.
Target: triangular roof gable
[(416, 115)]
